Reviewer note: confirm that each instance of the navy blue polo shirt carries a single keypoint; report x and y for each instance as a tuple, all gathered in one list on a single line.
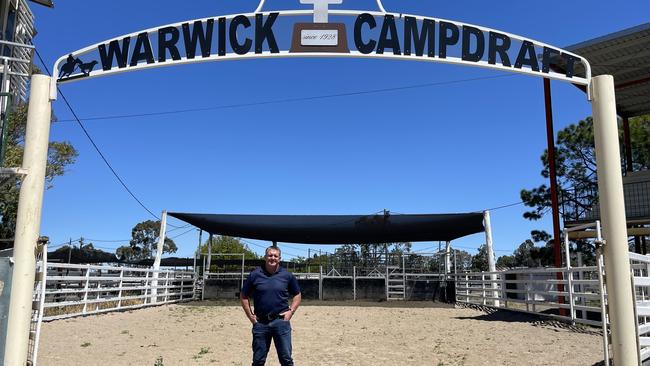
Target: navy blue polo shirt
[(270, 291)]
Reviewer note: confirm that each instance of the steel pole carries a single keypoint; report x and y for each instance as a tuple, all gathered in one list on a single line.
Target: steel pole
[(490, 253), (159, 252), (28, 220), (612, 209)]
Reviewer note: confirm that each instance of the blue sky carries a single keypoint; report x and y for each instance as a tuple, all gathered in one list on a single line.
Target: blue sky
[(469, 145)]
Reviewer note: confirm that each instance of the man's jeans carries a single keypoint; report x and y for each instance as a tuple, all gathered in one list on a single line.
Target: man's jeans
[(280, 331)]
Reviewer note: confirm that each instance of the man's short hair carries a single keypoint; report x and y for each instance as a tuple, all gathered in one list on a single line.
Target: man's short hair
[(273, 248)]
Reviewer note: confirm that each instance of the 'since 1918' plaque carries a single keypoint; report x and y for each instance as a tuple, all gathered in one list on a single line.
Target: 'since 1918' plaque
[(319, 37)]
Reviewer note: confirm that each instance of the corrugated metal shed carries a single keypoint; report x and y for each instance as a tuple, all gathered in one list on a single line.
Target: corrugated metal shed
[(626, 56)]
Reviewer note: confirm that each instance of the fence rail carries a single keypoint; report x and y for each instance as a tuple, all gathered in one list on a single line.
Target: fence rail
[(74, 290), (575, 297)]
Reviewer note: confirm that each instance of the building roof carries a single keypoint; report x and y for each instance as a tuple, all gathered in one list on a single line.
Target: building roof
[(48, 3), (626, 56)]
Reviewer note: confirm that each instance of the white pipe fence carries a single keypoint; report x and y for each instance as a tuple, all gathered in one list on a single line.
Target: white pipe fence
[(74, 290), (536, 291)]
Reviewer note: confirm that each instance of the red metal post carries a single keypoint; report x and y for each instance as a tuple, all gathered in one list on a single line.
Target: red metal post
[(550, 136)]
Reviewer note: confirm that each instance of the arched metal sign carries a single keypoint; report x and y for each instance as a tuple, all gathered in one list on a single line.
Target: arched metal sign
[(311, 33)]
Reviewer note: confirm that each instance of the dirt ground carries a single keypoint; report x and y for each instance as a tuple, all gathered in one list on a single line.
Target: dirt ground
[(210, 333)]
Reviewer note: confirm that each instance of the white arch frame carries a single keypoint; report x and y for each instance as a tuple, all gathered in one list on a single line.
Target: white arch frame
[(261, 5), (584, 81)]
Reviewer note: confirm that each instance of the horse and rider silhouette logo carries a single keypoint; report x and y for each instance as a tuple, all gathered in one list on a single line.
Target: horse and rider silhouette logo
[(71, 64)]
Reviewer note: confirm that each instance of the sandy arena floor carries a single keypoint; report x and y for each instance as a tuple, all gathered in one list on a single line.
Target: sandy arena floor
[(206, 333)]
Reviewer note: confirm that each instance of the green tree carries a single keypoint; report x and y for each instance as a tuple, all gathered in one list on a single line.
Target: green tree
[(144, 240), (60, 155), (480, 260), (222, 244), (463, 260), (577, 173), (506, 261), (83, 253)]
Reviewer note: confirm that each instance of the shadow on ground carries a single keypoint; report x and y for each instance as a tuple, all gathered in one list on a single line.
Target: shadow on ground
[(504, 316)]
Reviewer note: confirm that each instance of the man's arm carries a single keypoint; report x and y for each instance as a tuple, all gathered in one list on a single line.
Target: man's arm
[(246, 305), (295, 303)]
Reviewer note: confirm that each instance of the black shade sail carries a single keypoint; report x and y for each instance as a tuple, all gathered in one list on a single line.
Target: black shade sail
[(339, 229)]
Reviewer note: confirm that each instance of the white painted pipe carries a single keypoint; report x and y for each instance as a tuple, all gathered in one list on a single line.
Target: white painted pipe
[(612, 211), (490, 254), (156, 261), (28, 221)]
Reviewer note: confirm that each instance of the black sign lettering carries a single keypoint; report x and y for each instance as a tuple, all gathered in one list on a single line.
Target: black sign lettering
[(419, 37), (428, 32), (240, 49), (547, 57), (114, 52), (501, 48), (447, 38), (198, 35), (363, 47), (388, 37), (221, 43), (165, 44), (570, 62), (478, 52), (264, 31), (527, 56), (142, 50)]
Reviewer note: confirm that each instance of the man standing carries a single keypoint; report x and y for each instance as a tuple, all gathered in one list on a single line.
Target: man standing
[(270, 287)]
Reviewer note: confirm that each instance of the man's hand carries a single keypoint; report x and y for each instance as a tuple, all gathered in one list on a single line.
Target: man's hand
[(246, 305), (287, 315)]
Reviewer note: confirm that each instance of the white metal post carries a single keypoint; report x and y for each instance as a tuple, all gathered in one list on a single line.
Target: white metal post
[(612, 211), (320, 283), (28, 221), (601, 289), (119, 294), (354, 282), (159, 251), (490, 253), (569, 276), (86, 287), (243, 263), (209, 258), (447, 259)]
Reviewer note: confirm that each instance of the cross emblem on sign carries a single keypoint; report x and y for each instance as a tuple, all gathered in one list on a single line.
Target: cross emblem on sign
[(321, 8)]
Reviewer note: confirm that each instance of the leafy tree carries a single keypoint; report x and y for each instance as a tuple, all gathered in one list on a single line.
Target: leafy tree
[(463, 261), (480, 260), (506, 261), (60, 155), (227, 245), (523, 254), (144, 240), (577, 173), (84, 253)]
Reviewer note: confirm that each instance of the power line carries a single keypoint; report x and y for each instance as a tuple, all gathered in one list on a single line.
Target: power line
[(181, 234), (286, 100), (505, 206), (83, 128)]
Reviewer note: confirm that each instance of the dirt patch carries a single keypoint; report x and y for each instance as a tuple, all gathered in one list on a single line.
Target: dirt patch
[(324, 333)]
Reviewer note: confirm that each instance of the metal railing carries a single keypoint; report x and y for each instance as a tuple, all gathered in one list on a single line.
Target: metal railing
[(641, 271), (74, 290), (580, 204)]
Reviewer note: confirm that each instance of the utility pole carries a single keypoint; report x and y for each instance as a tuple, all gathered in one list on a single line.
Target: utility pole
[(69, 250)]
